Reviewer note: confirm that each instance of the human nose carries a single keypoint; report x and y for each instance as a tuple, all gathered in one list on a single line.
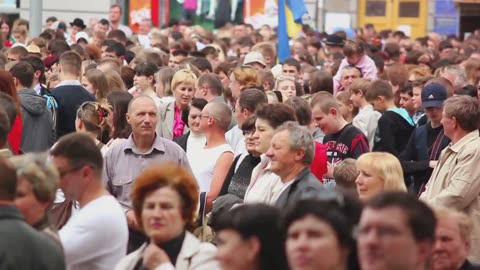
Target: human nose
[(269, 152)]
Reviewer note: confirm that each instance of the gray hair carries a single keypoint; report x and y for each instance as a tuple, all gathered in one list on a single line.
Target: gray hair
[(460, 75), (299, 137), (40, 172)]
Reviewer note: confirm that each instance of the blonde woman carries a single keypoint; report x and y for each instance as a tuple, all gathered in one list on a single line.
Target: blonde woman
[(96, 83), (170, 124), (37, 183), (286, 86), (378, 172), (92, 119), (242, 78)]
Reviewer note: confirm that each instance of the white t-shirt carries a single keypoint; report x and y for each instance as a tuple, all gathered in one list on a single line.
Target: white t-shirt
[(236, 140), (96, 237), (203, 165)]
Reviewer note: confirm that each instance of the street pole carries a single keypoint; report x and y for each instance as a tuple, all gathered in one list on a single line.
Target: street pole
[(36, 7)]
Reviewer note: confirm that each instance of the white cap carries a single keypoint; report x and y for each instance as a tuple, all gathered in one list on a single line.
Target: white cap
[(80, 35), (253, 57)]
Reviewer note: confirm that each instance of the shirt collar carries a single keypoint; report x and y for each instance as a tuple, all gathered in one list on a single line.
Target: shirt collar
[(158, 145), (69, 82), (465, 140)]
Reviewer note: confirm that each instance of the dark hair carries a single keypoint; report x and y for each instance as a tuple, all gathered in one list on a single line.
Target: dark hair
[(5, 126), (37, 65), (58, 47), (249, 123), (276, 114), (154, 58), (445, 44), (303, 113), (8, 183), (79, 149), (127, 74), (353, 47), (408, 89), (245, 42), (420, 217), (251, 99), (259, 221), (117, 34), (117, 48), (468, 90), (198, 103), (23, 72), (108, 42), (379, 88), (11, 109), (412, 57), (51, 19), (213, 82), (202, 64), (104, 22), (292, 62), (321, 81), (146, 69), (119, 101)]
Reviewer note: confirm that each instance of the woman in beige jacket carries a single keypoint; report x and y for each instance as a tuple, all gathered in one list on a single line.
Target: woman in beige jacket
[(165, 200)]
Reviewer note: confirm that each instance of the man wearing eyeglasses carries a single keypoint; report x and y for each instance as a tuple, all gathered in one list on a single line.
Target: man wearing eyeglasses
[(96, 236), (396, 231)]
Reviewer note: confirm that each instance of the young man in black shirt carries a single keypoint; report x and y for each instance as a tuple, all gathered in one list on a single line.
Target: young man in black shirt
[(395, 125), (342, 139), (427, 141)]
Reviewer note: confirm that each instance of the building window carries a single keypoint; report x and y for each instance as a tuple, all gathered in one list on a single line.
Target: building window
[(409, 9), (375, 8)]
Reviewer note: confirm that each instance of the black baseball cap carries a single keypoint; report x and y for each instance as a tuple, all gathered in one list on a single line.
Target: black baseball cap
[(433, 95)]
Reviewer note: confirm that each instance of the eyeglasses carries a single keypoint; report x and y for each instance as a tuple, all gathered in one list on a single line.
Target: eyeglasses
[(64, 173), (249, 132)]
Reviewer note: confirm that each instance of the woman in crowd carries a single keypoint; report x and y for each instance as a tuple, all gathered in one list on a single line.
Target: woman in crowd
[(5, 31), (286, 86), (7, 86), (378, 172), (222, 70), (163, 84), (117, 122), (170, 124), (319, 232), (242, 78), (250, 237), (347, 109), (193, 141), (114, 80), (92, 118), (38, 181), (165, 200), (144, 80), (265, 185), (96, 83)]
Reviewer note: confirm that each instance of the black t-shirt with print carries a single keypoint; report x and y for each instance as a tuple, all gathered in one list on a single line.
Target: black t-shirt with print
[(349, 142)]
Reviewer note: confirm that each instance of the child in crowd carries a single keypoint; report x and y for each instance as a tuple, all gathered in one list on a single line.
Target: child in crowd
[(345, 174), (347, 109)]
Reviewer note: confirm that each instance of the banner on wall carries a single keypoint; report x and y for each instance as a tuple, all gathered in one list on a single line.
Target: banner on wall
[(138, 10), (261, 12)]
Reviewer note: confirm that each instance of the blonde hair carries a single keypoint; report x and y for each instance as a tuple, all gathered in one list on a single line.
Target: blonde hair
[(360, 85), (42, 175), (386, 167), (183, 76), (246, 76), (99, 82), (164, 76), (114, 81), (345, 173), (463, 221)]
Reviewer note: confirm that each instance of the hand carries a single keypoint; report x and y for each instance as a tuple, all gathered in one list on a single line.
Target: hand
[(433, 163), (329, 173), (153, 256), (132, 220)]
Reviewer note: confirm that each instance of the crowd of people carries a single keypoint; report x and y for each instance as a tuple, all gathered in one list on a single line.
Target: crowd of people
[(181, 148)]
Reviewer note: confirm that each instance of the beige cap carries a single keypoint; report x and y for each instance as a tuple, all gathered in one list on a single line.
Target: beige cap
[(32, 48), (253, 57)]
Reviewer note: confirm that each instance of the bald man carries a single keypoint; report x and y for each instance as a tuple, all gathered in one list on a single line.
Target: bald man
[(127, 159), (211, 164)]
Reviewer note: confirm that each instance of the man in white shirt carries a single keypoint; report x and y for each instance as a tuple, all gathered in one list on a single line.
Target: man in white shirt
[(96, 237), (115, 17)]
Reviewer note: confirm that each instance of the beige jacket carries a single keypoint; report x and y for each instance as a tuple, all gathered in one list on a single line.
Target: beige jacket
[(455, 183), (166, 120), (194, 255)]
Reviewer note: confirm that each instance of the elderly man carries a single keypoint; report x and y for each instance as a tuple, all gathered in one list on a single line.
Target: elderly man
[(396, 231), (126, 160), (454, 181), (96, 236), (452, 241), (291, 153)]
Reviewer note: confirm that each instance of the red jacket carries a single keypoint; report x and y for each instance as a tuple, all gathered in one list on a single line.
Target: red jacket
[(319, 164), (15, 135)]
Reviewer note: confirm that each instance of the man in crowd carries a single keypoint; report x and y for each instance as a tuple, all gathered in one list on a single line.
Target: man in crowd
[(116, 51), (247, 103), (349, 73), (96, 236), (342, 139), (126, 160), (454, 181), (291, 67), (22, 247), (291, 154), (210, 88), (396, 231), (69, 93), (115, 17), (38, 130), (452, 241)]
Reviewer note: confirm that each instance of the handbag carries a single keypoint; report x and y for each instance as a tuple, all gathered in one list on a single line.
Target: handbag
[(204, 232)]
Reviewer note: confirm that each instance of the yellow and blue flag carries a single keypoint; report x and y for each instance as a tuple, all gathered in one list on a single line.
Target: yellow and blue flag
[(290, 13)]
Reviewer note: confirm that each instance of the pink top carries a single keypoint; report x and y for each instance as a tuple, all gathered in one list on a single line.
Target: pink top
[(366, 65), (190, 4), (178, 124)]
